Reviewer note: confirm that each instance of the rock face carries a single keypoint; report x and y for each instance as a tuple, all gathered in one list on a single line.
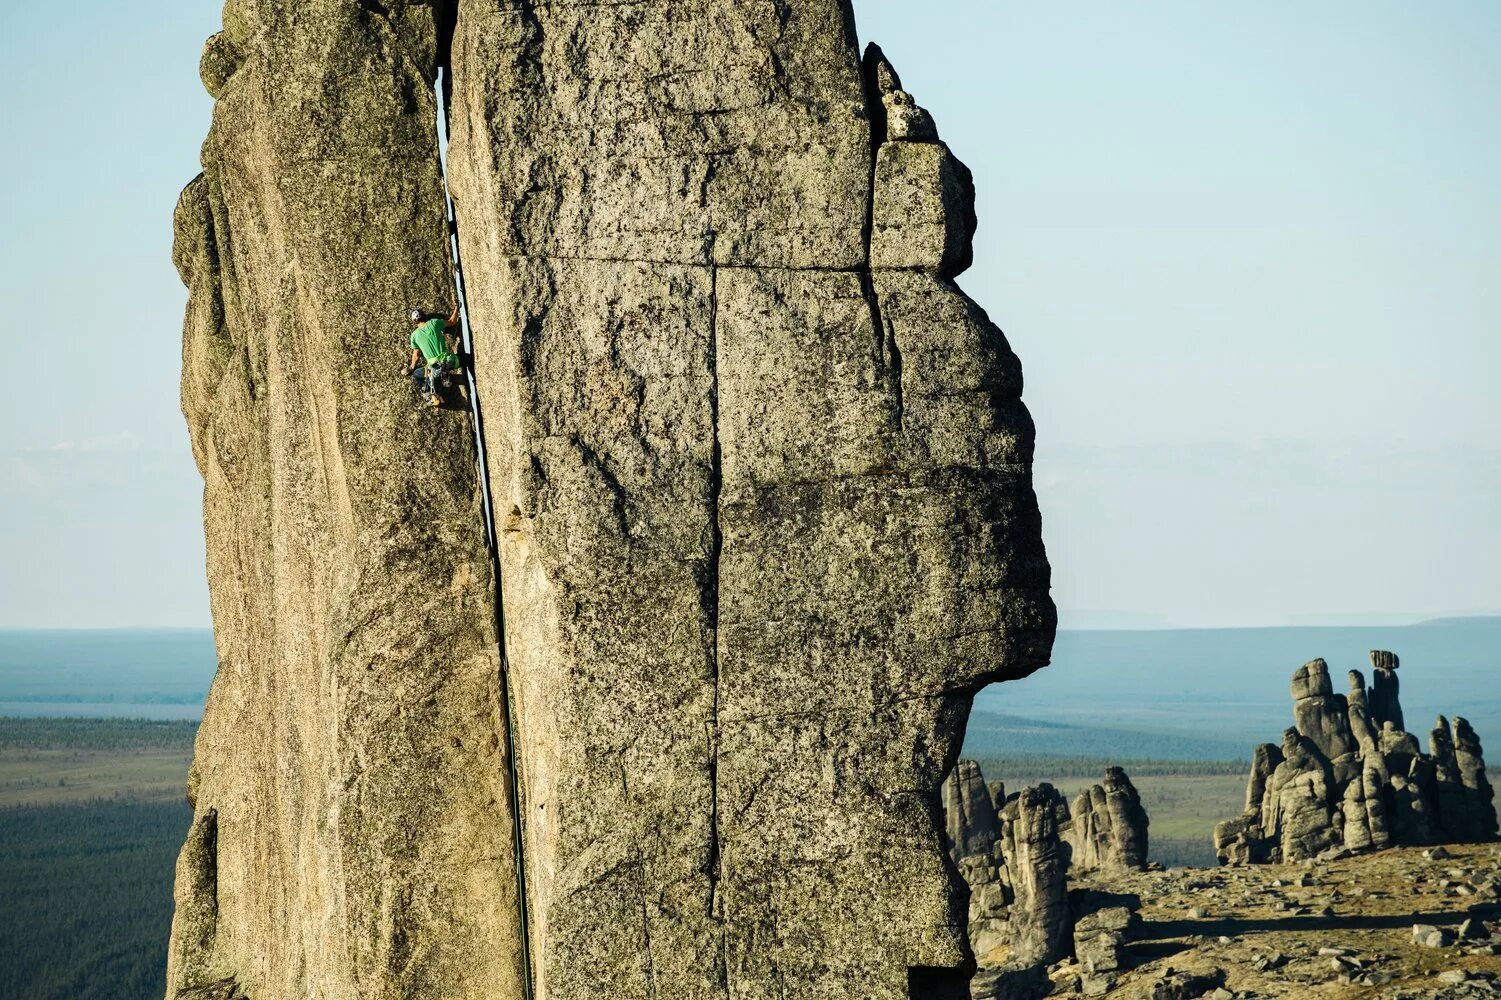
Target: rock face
[(1100, 938), (1016, 857), (1348, 777), (1108, 828), (353, 827), (760, 480), (762, 474)]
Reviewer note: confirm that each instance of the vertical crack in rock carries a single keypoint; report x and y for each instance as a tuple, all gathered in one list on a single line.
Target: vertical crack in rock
[(446, 27), (888, 353), (350, 769), (711, 591)]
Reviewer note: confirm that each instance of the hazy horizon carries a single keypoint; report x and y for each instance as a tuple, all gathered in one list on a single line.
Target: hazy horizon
[(1227, 687), (1246, 256)]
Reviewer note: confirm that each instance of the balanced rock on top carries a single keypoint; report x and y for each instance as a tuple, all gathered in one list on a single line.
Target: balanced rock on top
[(1348, 776)]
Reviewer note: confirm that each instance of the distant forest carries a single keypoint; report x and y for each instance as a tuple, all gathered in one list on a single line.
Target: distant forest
[(96, 734), (87, 893), (1094, 767)]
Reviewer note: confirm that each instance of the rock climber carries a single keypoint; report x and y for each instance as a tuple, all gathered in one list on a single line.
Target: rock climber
[(432, 360)]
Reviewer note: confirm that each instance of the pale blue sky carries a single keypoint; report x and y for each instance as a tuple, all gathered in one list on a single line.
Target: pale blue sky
[(1247, 253)]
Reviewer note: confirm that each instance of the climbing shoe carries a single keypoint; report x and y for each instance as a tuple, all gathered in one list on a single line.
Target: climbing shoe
[(435, 400)]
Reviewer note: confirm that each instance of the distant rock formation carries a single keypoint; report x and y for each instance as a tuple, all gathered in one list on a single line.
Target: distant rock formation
[(1108, 828), (1041, 924), (1016, 855), (758, 479), (969, 813), (1348, 777)]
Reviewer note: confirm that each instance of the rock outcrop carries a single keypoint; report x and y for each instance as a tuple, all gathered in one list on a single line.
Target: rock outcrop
[(760, 483), (1041, 923), (973, 830), (1016, 857), (1386, 706), (353, 832), (1348, 777), (1108, 828), (969, 814), (1470, 759)]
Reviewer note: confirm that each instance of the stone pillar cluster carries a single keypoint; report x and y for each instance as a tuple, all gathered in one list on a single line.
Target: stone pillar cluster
[(1348, 777), (1015, 852)]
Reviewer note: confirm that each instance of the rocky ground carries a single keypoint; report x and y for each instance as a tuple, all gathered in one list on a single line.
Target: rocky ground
[(1408, 922)]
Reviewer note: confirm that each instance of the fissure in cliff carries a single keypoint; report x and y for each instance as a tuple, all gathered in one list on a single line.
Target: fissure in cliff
[(492, 542), (716, 548)]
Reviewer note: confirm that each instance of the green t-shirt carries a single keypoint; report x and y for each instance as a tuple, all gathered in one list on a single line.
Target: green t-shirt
[(428, 338)]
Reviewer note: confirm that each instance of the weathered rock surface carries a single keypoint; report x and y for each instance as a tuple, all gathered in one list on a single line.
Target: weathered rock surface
[(1380, 925), (1108, 828), (767, 484), (1348, 778), (353, 830), (1100, 938), (760, 475)]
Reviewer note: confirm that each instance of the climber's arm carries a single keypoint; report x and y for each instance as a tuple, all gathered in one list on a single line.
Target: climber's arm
[(452, 321), (416, 360)]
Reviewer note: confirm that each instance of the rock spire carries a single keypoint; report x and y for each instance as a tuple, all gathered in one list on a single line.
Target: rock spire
[(760, 481), (1348, 777), (1108, 829)]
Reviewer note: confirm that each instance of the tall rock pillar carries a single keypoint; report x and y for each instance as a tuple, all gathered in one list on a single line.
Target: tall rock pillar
[(763, 483), (353, 831)]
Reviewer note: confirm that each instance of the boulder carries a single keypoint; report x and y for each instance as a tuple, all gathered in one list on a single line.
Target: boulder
[(1429, 936), (1100, 938)]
